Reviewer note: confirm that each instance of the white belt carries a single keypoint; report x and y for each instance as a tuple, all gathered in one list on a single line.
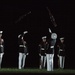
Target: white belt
[(22, 46), (60, 50), (52, 47)]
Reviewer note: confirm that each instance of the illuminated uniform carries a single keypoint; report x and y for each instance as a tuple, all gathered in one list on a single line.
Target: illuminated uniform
[(22, 52), (1, 50), (50, 55), (50, 51)]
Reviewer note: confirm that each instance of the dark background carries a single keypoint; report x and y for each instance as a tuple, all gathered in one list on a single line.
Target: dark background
[(37, 24)]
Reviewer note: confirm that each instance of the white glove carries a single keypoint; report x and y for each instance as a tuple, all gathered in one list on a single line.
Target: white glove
[(3, 53), (50, 30), (27, 54), (39, 54), (58, 55), (25, 32), (19, 36), (45, 53), (1, 31)]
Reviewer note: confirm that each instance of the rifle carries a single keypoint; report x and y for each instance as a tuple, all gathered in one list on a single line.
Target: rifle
[(51, 17), (22, 17)]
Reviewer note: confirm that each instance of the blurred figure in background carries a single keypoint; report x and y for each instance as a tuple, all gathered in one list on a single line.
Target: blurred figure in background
[(61, 52), (1, 48), (22, 50)]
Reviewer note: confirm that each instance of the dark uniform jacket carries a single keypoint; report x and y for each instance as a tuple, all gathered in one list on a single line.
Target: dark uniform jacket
[(22, 46), (1, 46), (43, 47), (51, 43)]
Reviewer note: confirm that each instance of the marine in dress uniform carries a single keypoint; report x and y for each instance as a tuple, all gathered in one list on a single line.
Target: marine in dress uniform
[(43, 47), (1, 48), (22, 51), (61, 52), (50, 51)]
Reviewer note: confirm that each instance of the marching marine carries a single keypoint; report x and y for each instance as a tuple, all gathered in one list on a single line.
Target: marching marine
[(1, 48), (22, 50)]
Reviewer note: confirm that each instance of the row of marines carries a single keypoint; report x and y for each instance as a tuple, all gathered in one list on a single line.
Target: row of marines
[(46, 51)]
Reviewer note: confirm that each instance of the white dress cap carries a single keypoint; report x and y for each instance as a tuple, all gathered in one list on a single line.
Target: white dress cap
[(25, 32), (44, 37), (61, 38)]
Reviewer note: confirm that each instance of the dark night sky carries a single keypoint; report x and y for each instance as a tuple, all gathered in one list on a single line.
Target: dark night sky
[(37, 23)]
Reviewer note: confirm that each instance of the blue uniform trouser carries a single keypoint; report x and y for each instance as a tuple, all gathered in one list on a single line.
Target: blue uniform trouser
[(43, 62), (61, 61), (50, 62), (21, 63), (1, 56)]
